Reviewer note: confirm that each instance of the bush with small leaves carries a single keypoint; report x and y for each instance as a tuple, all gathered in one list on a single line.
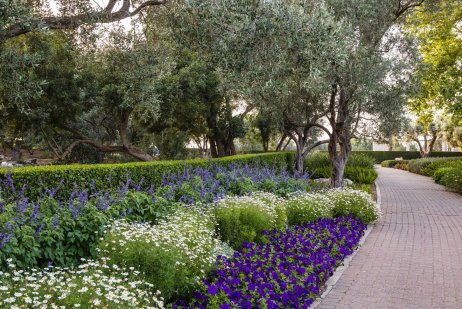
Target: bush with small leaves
[(243, 219), (173, 255), (353, 202)]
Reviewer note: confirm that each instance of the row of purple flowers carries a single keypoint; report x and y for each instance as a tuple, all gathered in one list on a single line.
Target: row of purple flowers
[(285, 272)]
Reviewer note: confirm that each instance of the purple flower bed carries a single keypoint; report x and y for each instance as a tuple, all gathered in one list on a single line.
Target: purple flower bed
[(286, 272)]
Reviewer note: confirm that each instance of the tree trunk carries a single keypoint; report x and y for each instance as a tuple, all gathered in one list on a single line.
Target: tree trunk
[(266, 145), (340, 136), (299, 140), (213, 147), (281, 142), (128, 146), (390, 144)]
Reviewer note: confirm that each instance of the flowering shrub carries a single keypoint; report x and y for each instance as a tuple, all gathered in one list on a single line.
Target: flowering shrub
[(353, 202), (243, 219), (35, 233), (308, 207), (286, 272), (172, 255), (93, 283)]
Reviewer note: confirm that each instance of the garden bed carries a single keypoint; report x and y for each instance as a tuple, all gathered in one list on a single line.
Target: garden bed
[(255, 229)]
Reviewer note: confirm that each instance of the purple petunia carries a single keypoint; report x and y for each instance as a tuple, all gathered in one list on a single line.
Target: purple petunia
[(285, 272)]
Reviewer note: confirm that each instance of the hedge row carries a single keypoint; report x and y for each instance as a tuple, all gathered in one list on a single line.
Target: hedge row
[(445, 171), (427, 166), (380, 156), (107, 176)]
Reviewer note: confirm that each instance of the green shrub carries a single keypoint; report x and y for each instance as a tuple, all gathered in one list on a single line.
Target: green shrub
[(402, 165), (360, 174), (352, 202), (381, 156), (140, 206), (427, 166), (451, 178), (307, 207), (111, 176), (431, 168), (243, 219), (388, 163), (440, 173), (361, 160), (393, 163), (172, 256), (359, 168)]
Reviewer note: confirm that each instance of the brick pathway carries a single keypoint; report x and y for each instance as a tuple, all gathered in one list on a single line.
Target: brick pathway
[(413, 256)]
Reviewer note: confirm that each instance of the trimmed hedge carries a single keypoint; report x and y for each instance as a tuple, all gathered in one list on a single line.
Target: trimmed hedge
[(427, 166), (111, 176), (381, 156)]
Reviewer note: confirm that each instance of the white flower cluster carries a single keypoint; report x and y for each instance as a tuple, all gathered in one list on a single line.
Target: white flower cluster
[(187, 231), (93, 284), (313, 205), (348, 199)]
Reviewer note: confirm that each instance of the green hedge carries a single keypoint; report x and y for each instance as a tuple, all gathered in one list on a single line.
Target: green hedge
[(107, 176), (427, 166), (380, 156)]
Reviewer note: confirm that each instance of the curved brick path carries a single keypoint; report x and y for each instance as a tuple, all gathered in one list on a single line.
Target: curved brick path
[(413, 256)]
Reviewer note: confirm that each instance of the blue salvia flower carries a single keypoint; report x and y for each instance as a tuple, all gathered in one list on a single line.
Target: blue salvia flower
[(55, 222), (6, 234), (138, 186), (22, 204), (9, 183), (38, 230), (35, 211)]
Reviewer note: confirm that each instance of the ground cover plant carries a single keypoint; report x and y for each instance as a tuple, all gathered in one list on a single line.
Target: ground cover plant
[(285, 272), (93, 284)]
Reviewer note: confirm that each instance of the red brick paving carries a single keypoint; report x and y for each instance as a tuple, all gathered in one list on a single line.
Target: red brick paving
[(413, 256)]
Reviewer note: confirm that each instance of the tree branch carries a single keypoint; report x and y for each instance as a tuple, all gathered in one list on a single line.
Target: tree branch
[(318, 143), (403, 8), (72, 22)]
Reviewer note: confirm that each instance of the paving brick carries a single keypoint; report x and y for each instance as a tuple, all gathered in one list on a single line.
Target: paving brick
[(413, 256)]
